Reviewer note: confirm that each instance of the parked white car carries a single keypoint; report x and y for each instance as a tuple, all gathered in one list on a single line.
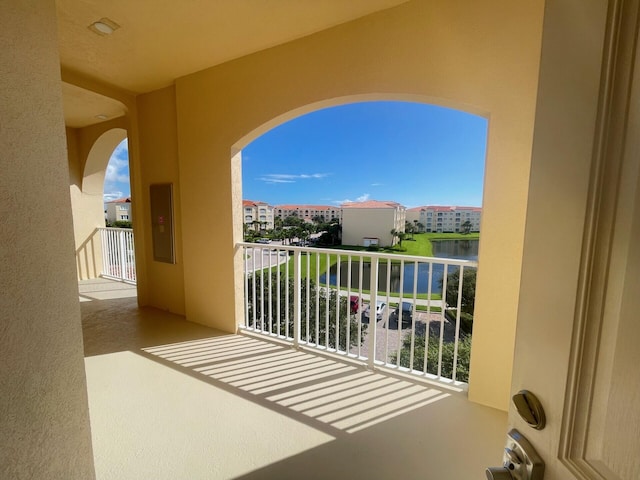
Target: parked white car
[(380, 306)]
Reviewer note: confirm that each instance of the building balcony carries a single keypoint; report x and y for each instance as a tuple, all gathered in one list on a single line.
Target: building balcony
[(172, 399)]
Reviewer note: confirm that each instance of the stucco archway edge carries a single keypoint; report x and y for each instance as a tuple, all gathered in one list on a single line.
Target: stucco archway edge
[(404, 53), (97, 160), (336, 102), (94, 147)]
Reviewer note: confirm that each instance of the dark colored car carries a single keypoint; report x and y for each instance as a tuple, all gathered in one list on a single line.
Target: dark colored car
[(407, 312)]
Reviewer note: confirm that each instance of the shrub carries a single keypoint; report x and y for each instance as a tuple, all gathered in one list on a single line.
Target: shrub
[(266, 291), (464, 354)]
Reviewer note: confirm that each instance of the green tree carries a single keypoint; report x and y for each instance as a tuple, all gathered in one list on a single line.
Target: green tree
[(433, 354), (409, 228), (466, 227), (468, 289), (468, 300), (332, 234), (265, 305)]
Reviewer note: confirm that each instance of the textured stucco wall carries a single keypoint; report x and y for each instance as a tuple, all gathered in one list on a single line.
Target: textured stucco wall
[(358, 223), (44, 418), (159, 164), (481, 57)]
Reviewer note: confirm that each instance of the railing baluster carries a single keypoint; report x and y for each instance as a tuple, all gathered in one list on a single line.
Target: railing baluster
[(327, 305), (270, 275), (360, 275), (445, 274), (278, 306), (387, 313), (297, 294), (457, 334), (255, 298), (400, 312), (428, 330), (245, 271), (338, 266), (351, 314), (415, 313), (317, 299), (373, 319)]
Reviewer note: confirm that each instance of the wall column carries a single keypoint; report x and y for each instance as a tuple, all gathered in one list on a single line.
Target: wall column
[(44, 417)]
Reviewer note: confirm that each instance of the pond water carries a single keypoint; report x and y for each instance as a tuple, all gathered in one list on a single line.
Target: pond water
[(456, 249)]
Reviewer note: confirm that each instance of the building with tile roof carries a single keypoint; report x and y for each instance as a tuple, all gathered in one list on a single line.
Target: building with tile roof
[(444, 218), (370, 223)]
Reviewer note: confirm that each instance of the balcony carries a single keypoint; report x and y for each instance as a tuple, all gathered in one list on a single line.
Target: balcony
[(301, 296), (172, 399)]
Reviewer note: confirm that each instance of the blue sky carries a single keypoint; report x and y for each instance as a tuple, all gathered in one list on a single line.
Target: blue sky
[(116, 179), (414, 154)]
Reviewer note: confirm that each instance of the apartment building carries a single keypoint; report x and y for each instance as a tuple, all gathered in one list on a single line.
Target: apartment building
[(448, 219), (258, 215), (119, 210), (558, 81), (309, 212), (370, 223)]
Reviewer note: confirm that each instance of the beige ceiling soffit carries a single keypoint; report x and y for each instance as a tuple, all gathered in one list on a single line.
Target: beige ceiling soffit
[(82, 81)]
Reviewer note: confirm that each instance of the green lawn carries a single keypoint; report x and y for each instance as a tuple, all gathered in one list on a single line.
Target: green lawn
[(421, 244)]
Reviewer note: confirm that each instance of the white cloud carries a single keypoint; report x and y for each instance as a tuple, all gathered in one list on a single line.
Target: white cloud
[(362, 198), (291, 178), (116, 177), (377, 184), (110, 196), (118, 167)]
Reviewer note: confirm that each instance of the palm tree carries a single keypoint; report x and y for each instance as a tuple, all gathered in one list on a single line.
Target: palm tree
[(466, 227), (399, 234), (394, 234), (409, 228)]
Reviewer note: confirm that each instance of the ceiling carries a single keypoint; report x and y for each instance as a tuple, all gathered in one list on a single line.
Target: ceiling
[(159, 41)]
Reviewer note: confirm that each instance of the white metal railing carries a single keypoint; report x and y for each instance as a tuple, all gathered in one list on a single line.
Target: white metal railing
[(325, 299), (118, 256)]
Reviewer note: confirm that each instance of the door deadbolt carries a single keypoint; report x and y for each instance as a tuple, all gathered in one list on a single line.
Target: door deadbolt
[(530, 409), (519, 462)]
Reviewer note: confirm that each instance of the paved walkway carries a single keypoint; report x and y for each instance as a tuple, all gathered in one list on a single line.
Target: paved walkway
[(259, 258)]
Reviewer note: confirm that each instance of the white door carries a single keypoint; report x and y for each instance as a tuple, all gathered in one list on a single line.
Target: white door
[(578, 334)]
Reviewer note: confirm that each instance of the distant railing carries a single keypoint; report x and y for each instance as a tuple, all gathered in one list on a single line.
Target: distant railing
[(417, 320), (118, 255)]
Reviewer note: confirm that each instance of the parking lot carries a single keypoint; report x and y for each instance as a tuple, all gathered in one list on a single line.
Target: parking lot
[(387, 333)]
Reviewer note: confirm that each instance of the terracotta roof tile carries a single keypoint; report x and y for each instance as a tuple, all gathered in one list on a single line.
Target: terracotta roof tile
[(372, 204)]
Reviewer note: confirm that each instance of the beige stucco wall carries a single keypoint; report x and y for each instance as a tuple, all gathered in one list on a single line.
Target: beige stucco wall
[(481, 57), (44, 416), (358, 223), (159, 164)]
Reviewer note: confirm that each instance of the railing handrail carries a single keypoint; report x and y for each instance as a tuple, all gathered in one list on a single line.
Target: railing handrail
[(116, 228), (362, 254)]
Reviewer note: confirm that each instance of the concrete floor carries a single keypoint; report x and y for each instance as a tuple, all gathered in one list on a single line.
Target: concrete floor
[(170, 399)]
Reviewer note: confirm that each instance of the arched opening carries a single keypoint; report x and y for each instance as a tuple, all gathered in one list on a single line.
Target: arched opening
[(90, 153), (380, 173)]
